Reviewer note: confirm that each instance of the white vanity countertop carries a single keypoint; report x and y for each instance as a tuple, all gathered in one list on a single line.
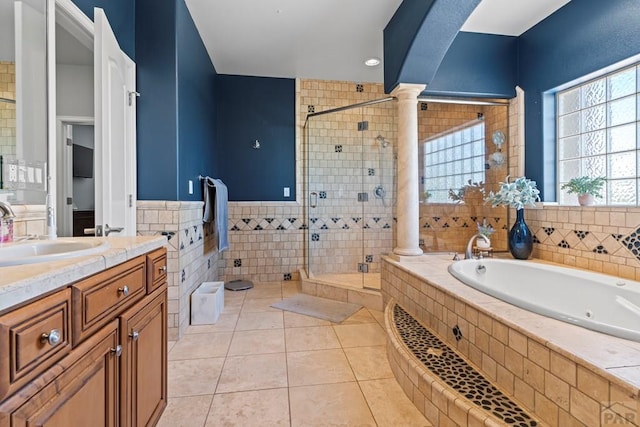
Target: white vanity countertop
[(23, 282)]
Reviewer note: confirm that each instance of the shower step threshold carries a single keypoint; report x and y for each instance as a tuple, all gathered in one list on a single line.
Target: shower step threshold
[(369, 298)]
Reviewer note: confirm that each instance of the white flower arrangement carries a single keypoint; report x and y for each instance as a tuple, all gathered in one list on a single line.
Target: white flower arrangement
[(516, 194)]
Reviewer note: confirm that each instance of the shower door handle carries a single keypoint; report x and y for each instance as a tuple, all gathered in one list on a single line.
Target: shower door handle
[(313, 199)]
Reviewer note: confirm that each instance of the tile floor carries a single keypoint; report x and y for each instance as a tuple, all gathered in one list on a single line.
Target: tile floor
[(260, 366)]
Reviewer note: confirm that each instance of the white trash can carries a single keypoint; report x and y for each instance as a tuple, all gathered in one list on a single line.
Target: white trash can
[(207, 302)]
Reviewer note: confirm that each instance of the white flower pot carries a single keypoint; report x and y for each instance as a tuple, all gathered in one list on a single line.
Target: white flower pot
[(586, 200), (482, 244)]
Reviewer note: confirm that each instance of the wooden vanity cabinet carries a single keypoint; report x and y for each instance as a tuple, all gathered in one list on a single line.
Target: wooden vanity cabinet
[(109, 367), (144, 361)]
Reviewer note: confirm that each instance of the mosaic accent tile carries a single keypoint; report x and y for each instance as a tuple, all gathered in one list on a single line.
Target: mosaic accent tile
[(465, 225), (424, 106), (618, 237), (315, 237), (632, 243), (303, 227), (359, 88), (455, 372), (564, 244), (371, 172), (183, 276), (581, 234), (457, 333), (338, 148), (323, 194), (269, 220), (311, 108), (535, 239), (600, 250), (345, 227), (237, 262), (455, 218), (287, 276), (386, 226), (446, 225), (376, 218), (548, 230), (436, 218)]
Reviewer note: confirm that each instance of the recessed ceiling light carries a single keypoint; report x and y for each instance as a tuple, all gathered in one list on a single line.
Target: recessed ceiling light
[(372, 62)]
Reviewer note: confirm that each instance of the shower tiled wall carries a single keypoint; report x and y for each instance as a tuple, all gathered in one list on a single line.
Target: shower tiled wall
[(192, 255), (7, 110), (448, 226)]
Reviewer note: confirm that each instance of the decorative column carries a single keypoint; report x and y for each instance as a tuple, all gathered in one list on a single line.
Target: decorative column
[(408, 209)]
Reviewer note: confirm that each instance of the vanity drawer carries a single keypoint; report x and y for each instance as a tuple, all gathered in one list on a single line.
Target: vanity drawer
[(33, 338), (100, 298), (156, 269)]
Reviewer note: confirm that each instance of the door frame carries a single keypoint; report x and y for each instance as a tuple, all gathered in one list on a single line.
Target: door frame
[(64, 181)]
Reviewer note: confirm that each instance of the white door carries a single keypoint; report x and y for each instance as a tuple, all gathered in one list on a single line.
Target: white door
[(115, 162)]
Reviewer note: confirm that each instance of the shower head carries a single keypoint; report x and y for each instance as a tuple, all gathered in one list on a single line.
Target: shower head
[(383, 142)]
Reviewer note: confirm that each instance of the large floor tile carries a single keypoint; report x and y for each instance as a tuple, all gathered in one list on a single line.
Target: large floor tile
[(260, 304), (329, 405), (250, 409), (390, 406), (311, 338), (318, 367), (260, 320), (359, 317), (186, 411), (194, 377), (369, 363), (226, 323), (256, 372), (273, 290), (198, 346), (295, 320), (257, 342), (365, 335)]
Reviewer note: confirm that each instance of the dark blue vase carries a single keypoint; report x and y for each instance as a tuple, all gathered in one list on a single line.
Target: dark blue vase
[(520, 238)]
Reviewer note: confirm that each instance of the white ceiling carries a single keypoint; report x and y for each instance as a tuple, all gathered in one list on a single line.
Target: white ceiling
[(327, 39)]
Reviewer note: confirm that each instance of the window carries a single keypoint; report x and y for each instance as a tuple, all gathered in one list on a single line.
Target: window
[(597, 132), (451, 159)]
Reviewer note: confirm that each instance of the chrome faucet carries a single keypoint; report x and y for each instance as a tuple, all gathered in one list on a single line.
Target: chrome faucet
[(6, 211), (469, 254)]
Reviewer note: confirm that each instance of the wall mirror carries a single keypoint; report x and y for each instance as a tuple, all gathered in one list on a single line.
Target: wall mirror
[(463, 156), (23, 100)]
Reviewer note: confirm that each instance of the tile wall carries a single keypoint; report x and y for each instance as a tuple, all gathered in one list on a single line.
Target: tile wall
[(7, 110), (192, 254)]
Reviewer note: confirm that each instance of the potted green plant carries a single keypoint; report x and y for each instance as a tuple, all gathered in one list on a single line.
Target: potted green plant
[(586, 188)]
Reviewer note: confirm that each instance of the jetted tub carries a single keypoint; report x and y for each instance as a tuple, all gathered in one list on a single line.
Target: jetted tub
[(595, 301)]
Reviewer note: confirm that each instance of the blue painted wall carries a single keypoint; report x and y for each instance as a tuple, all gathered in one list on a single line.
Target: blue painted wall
[(121, 15), (176, 111), (197, 151), (418, 36), (477, 65), (157, 153), (251, 108), (581, 38)]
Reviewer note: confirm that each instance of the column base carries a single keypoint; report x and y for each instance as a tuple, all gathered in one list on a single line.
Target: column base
[(407, 251)]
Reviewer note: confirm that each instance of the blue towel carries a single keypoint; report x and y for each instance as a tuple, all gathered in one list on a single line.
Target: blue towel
[(215, 209)]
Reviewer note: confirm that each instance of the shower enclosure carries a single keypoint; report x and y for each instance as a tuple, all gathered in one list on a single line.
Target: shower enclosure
[(350, 190)]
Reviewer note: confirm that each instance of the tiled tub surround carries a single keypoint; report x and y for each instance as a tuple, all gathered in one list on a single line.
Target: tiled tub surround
[(561, 373), (192, 254), (601, 239), (7, 110)]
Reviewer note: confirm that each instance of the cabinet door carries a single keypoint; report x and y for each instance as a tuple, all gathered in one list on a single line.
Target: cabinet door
[(144, 361), (84, 394)]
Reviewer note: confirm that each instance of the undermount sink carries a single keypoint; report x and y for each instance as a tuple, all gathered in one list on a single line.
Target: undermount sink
[(34, 251)]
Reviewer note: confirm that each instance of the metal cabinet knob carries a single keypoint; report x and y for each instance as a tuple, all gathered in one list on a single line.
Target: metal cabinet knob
[(134, 335), (163, 269), (124, 290), (53, 337), (117, 351)]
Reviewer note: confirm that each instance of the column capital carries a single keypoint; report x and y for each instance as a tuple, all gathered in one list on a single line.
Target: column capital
[(408, 90)]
